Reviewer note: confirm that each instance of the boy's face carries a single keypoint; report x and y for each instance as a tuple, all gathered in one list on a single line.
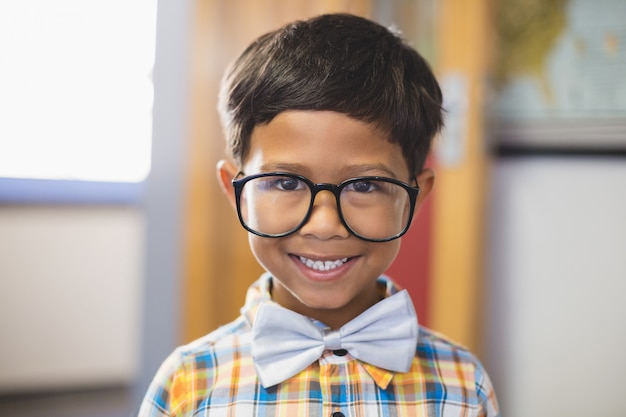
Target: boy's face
[(325, 147)]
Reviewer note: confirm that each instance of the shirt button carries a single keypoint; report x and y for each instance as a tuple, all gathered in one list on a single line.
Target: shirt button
[(338, 414), (339, 352)]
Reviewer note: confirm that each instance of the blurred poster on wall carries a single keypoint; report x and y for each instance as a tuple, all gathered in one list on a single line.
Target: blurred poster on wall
[(560, 74)]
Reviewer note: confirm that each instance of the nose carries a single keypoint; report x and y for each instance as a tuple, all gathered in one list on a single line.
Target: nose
[(324, 221)]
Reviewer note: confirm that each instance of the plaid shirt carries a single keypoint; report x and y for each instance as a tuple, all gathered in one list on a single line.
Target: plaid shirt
[(215, 376)]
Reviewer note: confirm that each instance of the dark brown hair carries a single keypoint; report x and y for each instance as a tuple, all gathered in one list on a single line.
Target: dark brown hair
[(336, 62)]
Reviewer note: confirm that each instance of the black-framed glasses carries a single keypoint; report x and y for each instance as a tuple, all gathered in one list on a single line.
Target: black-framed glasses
[(277, 204)]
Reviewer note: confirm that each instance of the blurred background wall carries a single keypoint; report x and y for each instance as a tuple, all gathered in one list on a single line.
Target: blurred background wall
[(519, 253)]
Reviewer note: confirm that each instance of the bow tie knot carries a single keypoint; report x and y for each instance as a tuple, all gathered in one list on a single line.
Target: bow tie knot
[(332, 339), (285, 342)]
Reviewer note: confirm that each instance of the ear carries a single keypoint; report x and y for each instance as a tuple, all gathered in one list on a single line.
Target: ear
[(426, 181), (226, 171)]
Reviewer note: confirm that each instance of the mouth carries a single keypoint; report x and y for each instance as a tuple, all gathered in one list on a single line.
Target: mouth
[(322, 265)]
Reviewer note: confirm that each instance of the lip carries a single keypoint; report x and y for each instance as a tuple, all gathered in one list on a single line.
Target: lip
[(323, 276)]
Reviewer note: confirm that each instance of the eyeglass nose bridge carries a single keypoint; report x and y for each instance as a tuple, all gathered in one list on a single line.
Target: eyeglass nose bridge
[(333, 189)]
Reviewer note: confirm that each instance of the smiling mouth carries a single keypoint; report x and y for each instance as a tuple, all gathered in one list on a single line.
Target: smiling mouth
[(323, 266)]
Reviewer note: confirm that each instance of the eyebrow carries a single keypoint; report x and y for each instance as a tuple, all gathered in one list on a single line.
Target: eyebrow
[(355, 170), (282, 166), (367, 168)]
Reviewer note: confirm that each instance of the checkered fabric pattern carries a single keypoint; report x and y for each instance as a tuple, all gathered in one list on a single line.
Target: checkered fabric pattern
[(215, 376)]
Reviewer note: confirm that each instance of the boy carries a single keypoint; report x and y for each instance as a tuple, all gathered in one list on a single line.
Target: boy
[(329, 122)]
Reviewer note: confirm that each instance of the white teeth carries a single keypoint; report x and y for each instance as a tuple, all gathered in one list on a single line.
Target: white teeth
[(322, 265)]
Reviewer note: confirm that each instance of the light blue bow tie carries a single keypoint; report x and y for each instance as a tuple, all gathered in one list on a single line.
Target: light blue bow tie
[(285, 342)]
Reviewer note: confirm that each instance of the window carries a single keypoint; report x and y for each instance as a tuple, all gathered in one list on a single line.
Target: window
[(76, 91)]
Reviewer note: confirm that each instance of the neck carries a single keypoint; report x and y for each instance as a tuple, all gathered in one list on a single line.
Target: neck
[(334, 318)]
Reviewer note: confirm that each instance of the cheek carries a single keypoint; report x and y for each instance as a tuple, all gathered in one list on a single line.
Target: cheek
[(264, 249), (382, 255), (255, 245)]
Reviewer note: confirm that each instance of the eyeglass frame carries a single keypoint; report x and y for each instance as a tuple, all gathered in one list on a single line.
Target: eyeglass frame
[(238, 183)]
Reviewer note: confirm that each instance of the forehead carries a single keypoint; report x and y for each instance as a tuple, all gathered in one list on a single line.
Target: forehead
[(324, 146)]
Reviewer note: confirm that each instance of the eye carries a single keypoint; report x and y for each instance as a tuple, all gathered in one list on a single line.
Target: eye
[(362, 186), (281, 183), (288, 184)]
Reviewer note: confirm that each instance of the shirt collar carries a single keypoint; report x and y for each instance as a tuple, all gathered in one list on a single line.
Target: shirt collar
[(261, 292)]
